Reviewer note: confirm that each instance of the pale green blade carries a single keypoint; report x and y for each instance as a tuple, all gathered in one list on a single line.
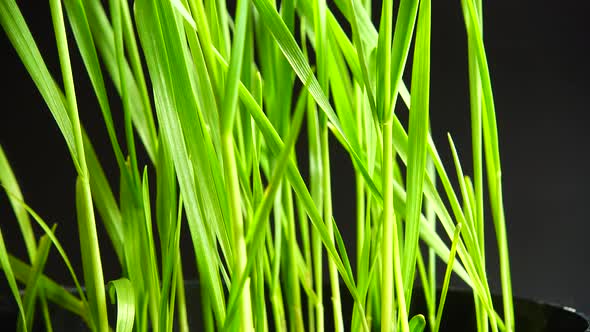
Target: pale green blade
[(121, 291)]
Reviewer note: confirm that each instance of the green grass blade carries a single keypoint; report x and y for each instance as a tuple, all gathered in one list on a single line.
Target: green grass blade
[(19, 35), (492, 153), (417, 143), (104, 200), (149, 17), (255, 235), (7, 268), (91, 261), (32, 287), (121, 291), (8, 181), (360, 50), (296, 58), (135, 84), (229, 109), (51, 290), (83, 37), (404, 27), (471, 239), (447, 278), (417, 323), (181, 9), (46, 314)]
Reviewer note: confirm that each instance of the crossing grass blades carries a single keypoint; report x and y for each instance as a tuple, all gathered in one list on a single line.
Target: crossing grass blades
[(217, 101)]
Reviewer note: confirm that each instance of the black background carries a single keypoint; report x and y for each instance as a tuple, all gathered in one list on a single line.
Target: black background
[(538, 54)]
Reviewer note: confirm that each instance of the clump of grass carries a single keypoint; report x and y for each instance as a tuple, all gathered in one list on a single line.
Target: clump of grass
[(213, 99)]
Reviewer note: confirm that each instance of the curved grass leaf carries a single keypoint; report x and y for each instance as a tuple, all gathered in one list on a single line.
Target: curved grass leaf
[(121, 291), (417, 323)]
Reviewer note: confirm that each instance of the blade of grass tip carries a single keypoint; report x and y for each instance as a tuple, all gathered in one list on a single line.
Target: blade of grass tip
[(400, 143), (9, 182), (170, 263), (86, 223), (433, 240), (404, 27), (417, 323), (150, 247), (471, 238), (136, 265), (21, 39), (417, 143), (447, 278), (121, 291), (229, 109), (32, 286), (7, 268)]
